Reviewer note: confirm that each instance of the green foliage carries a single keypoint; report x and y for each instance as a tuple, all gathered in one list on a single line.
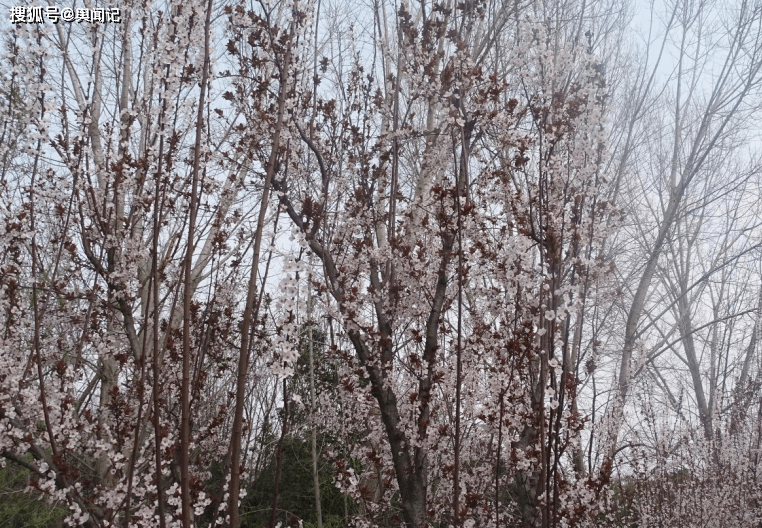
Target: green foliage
[(22, 509), (332, 521), (622, 505), (297, 494)]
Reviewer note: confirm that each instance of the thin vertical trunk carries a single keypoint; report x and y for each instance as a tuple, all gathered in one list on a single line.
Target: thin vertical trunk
[(188, 287), (155, 350), (686, 334), (458, 352), (126, 87), (155, 336), (633, 318), (313, 434), (497, 464), (252, 306), (741, 393), (279, 459)]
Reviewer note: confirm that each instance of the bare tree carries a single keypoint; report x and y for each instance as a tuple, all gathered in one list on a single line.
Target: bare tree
[(705, 121)]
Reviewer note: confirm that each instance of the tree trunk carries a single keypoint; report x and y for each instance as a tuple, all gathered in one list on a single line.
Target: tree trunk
[(313, 434)]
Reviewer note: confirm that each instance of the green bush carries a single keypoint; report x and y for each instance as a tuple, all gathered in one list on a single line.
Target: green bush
[(20, 508), (297, 495)]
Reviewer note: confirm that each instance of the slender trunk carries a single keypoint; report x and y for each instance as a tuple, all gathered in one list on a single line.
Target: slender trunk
[(313, 434), (458, 352), (686, 334), (279, 459), (497, 464), (252, 307), (155, 368), (188, 288), (741, 394), (631, 326), (155, 356)]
